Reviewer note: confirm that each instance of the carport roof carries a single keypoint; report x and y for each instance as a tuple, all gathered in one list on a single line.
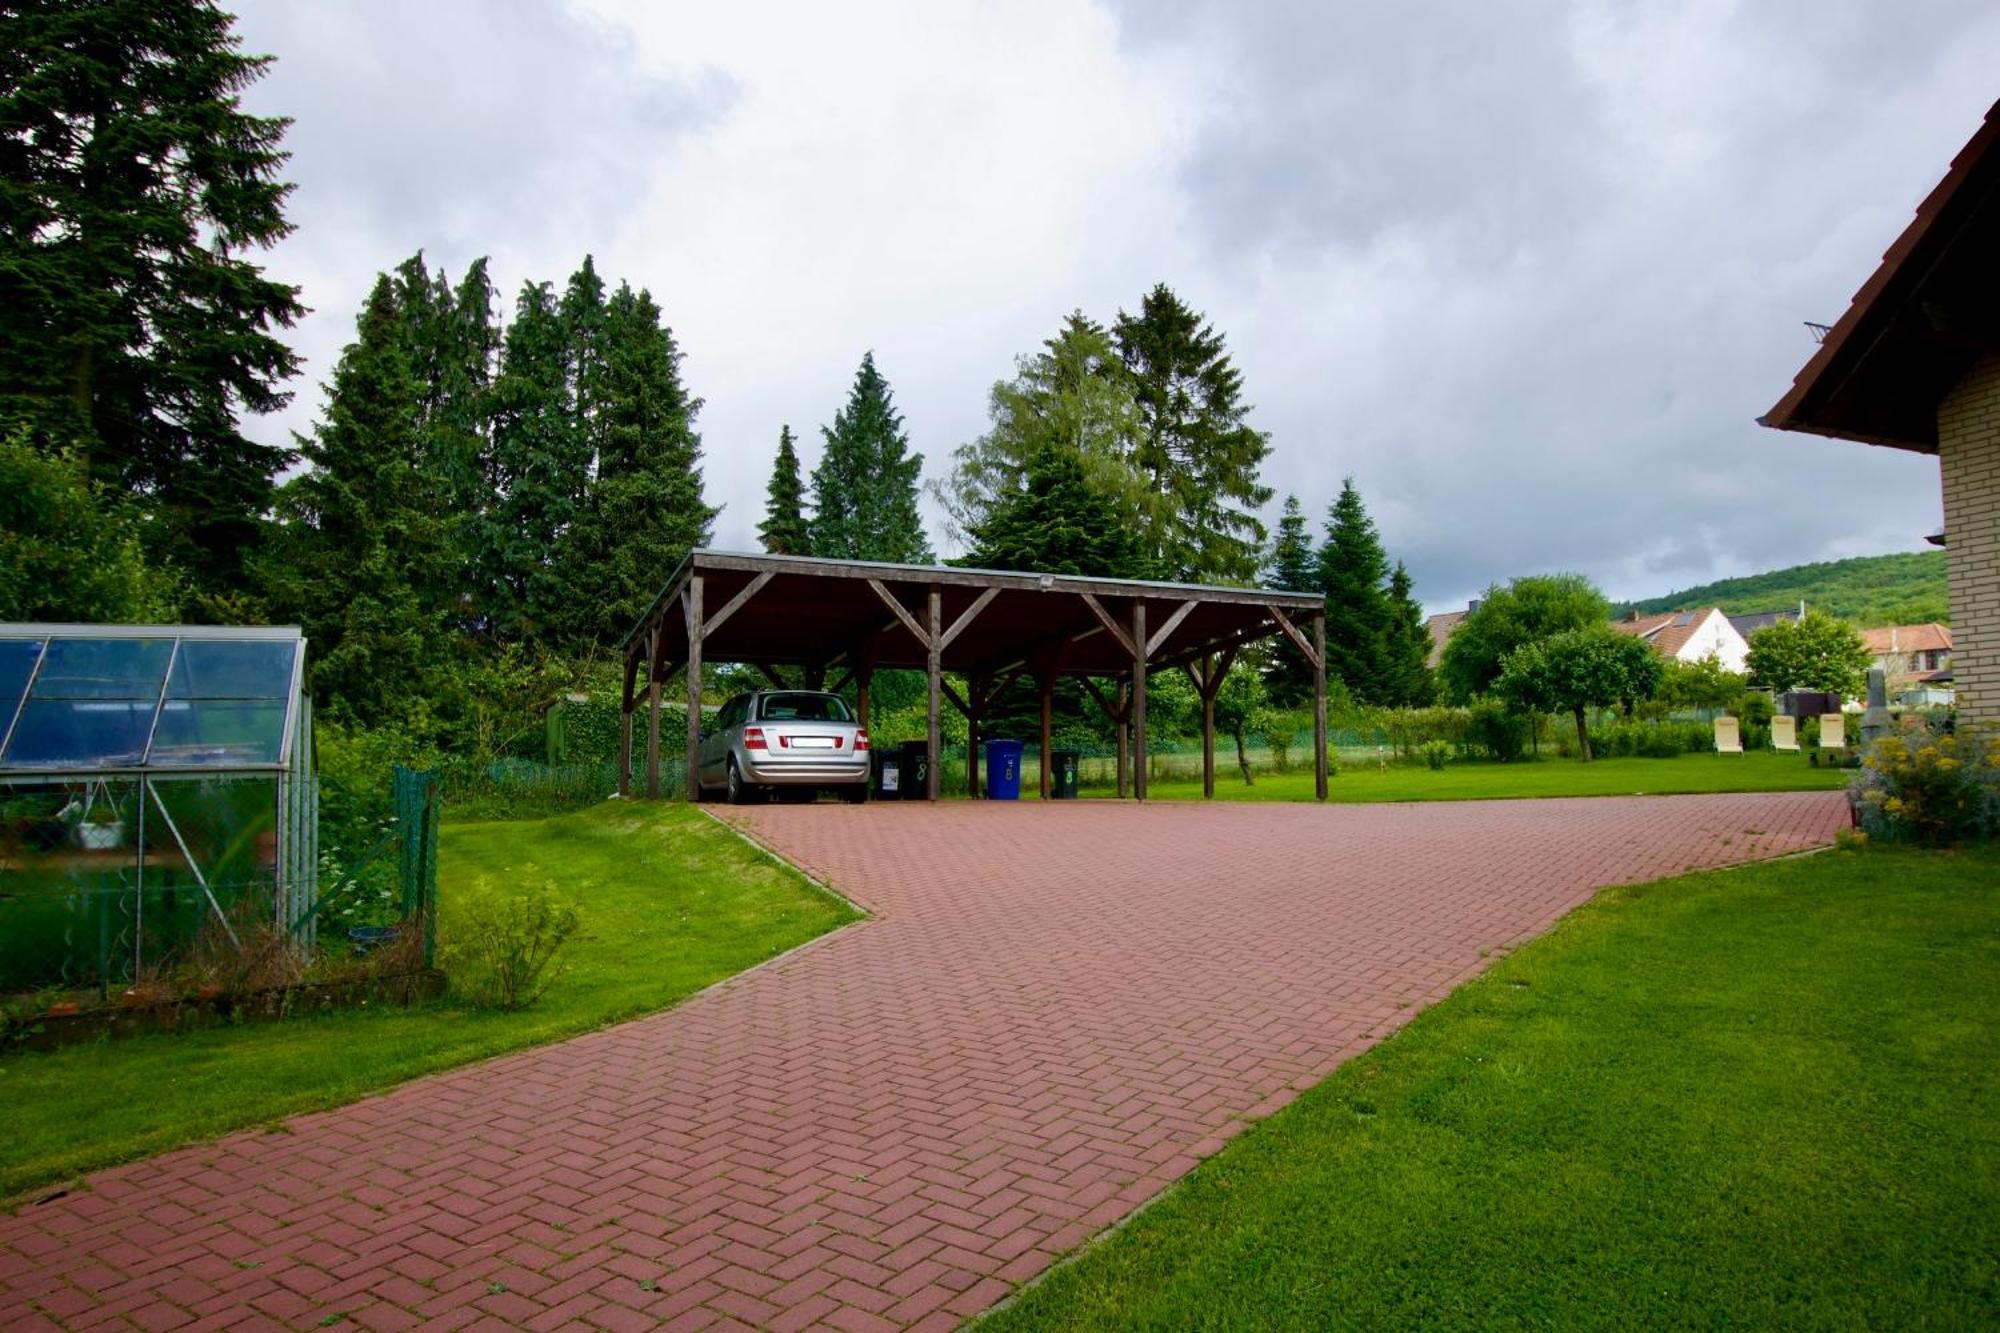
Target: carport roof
[(793, 610)]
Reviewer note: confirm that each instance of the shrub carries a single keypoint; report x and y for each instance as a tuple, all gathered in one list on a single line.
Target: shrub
[(1436, 753), (1929, 789), (504, 950), (1496, 729)]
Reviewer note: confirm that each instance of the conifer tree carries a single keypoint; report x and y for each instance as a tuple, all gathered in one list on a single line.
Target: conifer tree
[(784, 530), (647, 510), (1293, 566), (1407, 679), (1058, 524), (865, 487), (1353, 570), (361, 546), (133, 328), (1194, 444)]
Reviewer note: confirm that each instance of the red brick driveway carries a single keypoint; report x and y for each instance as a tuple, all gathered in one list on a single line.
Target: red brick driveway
[(1056, 1011)]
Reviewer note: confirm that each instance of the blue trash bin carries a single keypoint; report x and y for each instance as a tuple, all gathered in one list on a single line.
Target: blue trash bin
[(1003, 770)]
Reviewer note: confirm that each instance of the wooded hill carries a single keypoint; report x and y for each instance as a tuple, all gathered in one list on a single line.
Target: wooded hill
[(1902, 589)]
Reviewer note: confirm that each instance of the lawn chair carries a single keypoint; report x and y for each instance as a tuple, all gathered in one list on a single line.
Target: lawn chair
[(1785, 733), (1833, 731), (1728, 736)]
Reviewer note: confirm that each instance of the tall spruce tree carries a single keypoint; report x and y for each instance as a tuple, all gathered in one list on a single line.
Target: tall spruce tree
[(361, 548), (132, 326), (785, 530), (1353, 570), (1407, 679), (1195, 445), (540, 464), (1293, 566), (1057, 523), (646, 509), (865, 487)]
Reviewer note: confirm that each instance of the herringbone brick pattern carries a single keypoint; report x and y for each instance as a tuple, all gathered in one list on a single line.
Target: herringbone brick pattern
[(1057, 1010)]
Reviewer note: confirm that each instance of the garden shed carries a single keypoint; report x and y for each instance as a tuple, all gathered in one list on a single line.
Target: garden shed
[(156, 784)]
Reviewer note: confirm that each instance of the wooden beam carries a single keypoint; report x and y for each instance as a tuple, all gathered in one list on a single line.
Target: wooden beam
[(1319, 706), (1139, 701), (1059, 643), (965, 709), (772, 674), (694, 688), (1111, 626), (935, 671), (842, 681), (654, 642), (625, 724), (1159, 638), (735, 604), (902, 613), (1292, 632), (1047, 683), (1115, 712), (967, 616), (1207, 688)]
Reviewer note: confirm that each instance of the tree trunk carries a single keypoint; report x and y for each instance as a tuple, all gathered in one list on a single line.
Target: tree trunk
[(1582, 736), (1243, 759)]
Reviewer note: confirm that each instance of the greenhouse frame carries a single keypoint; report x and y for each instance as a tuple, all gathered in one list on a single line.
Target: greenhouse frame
[(157, 795)]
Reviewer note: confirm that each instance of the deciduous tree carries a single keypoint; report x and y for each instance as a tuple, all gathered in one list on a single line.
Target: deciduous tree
[(1577, 670), (1526, 610), (1814, 652)]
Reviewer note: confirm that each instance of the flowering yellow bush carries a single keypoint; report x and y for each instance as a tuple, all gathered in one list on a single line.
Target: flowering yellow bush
[(1932, 789)]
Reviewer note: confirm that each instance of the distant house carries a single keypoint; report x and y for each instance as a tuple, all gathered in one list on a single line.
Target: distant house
[(1689, 636), (1749, 624), (1440, 626), (1916, 659), (1914, 363)]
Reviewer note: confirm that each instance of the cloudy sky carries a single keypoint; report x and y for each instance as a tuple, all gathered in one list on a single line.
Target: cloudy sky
[(1528, 271)]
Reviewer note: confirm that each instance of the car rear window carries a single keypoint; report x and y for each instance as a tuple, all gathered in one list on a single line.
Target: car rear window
[(804, 708)]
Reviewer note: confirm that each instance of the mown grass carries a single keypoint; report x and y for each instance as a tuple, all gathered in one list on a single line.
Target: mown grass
[(1762, 1098), (1481, 781), (671, 902)]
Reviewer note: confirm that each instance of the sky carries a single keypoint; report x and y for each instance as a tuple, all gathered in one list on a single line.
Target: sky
[(1527, 272)]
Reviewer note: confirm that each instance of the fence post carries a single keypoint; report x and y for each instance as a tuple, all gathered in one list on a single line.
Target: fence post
[(416, 801)]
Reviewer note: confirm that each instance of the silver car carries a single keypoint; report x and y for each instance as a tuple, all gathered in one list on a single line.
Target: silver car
[(795, 739)]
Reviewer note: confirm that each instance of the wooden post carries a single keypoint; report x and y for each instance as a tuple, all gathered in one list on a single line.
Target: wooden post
[(694, 688), (1319, 706), (862, 682), (625, 724), (1119, 720), (1210, 679), (976, 696), (1138, 699), (1048, 692), (934, 667), (653, 682)]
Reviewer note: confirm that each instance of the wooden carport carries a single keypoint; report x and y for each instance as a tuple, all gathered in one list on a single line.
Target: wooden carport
[(840, 621)]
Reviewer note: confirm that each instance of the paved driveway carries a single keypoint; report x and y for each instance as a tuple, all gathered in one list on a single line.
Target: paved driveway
[(1057, 1010)]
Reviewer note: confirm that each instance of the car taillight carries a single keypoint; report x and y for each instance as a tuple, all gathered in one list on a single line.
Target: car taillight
[(753, 738), (860, 741)]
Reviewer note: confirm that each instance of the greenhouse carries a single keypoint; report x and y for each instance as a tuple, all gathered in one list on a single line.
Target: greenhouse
[(157, 798)]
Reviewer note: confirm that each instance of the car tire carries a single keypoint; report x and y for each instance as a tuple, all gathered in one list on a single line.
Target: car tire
[(855, 793), (740, 792)]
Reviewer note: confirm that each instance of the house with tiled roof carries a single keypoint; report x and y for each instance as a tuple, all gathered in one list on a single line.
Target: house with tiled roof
[(1916, 659), (1440, 627), (1914, 363), (1689, 636)]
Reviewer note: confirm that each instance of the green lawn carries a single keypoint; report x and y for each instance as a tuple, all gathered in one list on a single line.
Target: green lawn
[(1488, 781), (1761, 1098), (671, 902)]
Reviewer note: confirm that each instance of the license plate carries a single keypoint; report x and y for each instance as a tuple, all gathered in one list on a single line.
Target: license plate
[(814, 743)]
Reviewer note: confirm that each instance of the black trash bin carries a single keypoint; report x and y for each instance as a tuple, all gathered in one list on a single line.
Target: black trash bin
[(888, 773), (1062, 775), (916, 774)]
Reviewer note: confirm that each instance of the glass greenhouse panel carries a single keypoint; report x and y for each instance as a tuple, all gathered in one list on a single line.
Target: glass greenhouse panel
[(216, 669), (104, 669), (219, 732), (81, 733), (17, 663)]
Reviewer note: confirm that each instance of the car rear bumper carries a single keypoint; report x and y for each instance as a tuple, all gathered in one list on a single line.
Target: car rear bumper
[(766, 770)]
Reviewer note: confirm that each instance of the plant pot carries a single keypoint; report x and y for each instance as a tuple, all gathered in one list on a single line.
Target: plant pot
[(100, 837), (62, 1009)]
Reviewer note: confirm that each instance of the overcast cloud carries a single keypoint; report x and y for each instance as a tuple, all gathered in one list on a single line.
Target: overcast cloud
[(1527, 271)]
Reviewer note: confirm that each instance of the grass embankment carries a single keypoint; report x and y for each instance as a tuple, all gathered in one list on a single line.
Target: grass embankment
[(670, 901), (1767, 1097), (1489, 781)]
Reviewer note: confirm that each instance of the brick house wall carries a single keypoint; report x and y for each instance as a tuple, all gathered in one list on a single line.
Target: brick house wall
[(1969, 458)]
